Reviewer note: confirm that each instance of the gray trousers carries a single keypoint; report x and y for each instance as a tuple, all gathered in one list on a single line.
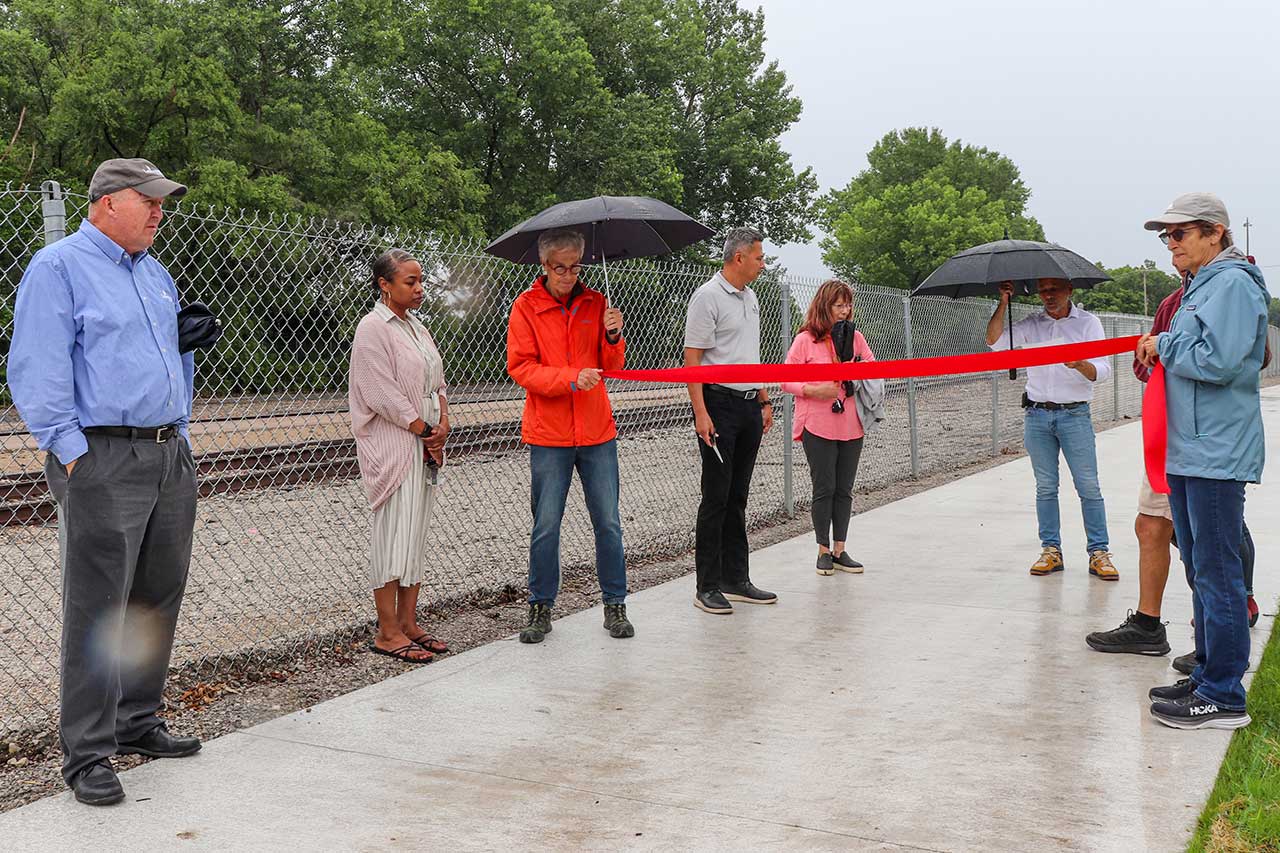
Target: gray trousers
[(125, 518), (833, 465)]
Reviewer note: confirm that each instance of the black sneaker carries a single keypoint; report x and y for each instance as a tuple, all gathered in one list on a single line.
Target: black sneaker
[(826, 564), (750, 593), (1192, 712), (615, 621), (1184, 687), (1130, 638), (712, 601), (845, 563), (1185, 664), (539, 624)]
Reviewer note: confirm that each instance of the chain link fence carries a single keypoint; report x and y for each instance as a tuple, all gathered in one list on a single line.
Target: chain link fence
[(281, 536)]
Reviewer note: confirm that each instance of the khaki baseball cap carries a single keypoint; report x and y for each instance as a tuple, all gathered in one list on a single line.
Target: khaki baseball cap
[(1192, 207), (132, 173)]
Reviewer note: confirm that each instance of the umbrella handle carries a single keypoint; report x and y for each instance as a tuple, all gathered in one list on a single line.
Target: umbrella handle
[(1013, 371)]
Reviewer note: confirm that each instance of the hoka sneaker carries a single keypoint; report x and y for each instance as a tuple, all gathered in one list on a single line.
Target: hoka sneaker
[(1192, 712)]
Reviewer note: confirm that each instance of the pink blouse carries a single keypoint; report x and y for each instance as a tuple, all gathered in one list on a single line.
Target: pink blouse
[(816, 415)]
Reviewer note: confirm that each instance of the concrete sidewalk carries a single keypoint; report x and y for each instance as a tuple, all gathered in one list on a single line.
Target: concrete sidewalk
[(945, 700)]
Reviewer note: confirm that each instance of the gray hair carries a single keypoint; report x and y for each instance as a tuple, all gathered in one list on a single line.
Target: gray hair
[(386, 264), (560, 238), (738, 240)]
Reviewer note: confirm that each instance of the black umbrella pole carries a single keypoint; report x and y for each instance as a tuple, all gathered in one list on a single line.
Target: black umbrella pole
[(1013, 371)]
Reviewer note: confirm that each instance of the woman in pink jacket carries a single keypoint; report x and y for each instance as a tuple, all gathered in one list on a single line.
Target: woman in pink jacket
[(400, 419), (827, 426)]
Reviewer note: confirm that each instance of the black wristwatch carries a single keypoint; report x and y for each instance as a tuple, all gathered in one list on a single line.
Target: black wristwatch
[(768, 403)]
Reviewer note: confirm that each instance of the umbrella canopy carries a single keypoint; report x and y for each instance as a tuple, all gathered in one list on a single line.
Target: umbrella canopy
[(979, 271), (842, 339), (615, 227)]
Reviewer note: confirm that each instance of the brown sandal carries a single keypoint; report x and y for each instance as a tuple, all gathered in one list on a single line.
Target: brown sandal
[(430, 643), (403, 653)]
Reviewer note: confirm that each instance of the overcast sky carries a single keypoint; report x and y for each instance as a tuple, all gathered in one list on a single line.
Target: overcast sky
[(1109, 109)]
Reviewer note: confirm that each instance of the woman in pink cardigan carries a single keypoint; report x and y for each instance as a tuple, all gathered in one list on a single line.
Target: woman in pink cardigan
[(400, 419), (827, 426)]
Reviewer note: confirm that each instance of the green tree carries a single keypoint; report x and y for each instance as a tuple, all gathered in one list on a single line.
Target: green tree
[(921, 200), (1124, 294)]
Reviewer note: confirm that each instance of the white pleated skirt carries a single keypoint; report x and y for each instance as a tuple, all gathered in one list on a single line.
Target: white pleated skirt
[(397, 547)]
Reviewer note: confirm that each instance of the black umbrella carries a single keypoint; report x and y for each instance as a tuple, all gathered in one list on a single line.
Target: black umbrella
[(198, 328), (980, 270), (615, 227)]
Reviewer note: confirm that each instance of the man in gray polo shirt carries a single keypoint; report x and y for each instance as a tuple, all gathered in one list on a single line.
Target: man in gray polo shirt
[(723, 327)]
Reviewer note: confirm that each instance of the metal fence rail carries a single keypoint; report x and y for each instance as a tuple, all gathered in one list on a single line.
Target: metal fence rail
[(282, 530)]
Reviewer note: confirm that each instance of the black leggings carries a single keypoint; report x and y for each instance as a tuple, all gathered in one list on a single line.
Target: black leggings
[(833, 465)]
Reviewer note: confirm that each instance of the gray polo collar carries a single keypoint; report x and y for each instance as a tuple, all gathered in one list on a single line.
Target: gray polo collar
[(727, 287)]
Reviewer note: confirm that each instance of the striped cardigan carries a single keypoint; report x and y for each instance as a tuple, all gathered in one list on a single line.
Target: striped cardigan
[(386, 379)]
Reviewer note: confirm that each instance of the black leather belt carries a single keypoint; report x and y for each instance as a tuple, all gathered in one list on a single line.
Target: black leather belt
[(157, 434), (733, 392), (1028, 403)]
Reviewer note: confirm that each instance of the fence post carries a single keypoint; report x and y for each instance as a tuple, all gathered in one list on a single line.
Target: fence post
[(54, 208), (788, 451), (1115, 373), (911, 392), (995, 414)]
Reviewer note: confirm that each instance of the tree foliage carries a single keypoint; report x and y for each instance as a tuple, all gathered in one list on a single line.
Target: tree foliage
[(460, 116), (1124, 293), (921, 200)]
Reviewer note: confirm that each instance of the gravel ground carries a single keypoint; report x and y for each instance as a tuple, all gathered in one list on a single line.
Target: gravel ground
[(277, 612)]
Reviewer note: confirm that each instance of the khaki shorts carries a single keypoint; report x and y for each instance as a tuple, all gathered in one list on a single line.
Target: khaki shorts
[(1151, 502)]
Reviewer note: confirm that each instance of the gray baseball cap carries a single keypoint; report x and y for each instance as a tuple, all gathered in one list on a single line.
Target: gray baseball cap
[(132, 173), (1192, 207)]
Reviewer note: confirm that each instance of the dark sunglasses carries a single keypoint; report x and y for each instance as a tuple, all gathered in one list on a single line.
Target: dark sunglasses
[(1177, 234)]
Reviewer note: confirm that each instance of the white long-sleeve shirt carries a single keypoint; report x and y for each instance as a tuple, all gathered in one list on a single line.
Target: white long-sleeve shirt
[(1055, 383)]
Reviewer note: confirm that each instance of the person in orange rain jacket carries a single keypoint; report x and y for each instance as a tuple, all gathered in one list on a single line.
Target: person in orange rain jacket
[(560, 337)]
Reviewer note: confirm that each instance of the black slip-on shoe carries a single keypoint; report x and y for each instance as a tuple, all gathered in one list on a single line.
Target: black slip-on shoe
[(749, 593), (712, 601), (845, 563), (1192, 712), (1130, 638), (158, 743), (826, 564), (98, 785)]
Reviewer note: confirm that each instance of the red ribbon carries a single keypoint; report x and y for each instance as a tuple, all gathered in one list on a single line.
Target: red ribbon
[(1155, 430), (899, 369), (1153, 405)]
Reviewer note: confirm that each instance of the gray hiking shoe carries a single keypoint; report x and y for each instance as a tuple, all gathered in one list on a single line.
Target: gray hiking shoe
[(539, 624), (616, 622)]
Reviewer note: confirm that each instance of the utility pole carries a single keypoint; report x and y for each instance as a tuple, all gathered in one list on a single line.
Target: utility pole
[(1247, 226), (1145, 308)]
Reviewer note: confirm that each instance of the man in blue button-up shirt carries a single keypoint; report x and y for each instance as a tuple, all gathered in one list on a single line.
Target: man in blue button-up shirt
[(95, 371)]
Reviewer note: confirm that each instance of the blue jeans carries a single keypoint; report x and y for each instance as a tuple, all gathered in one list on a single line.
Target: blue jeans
[(1207, 518), (552, 470), (1070, 431)]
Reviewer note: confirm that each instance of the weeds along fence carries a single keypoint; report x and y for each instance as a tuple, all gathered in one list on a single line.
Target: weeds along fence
[(282, 531)]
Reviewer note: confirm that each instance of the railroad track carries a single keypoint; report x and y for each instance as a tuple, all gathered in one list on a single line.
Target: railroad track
[(25, 498)]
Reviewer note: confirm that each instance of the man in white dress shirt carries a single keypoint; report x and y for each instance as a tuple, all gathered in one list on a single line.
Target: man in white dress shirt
[(1058, 420)]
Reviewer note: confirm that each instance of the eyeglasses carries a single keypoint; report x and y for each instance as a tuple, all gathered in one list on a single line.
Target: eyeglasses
[(1176, 234), (840, 305), (561, 269)]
